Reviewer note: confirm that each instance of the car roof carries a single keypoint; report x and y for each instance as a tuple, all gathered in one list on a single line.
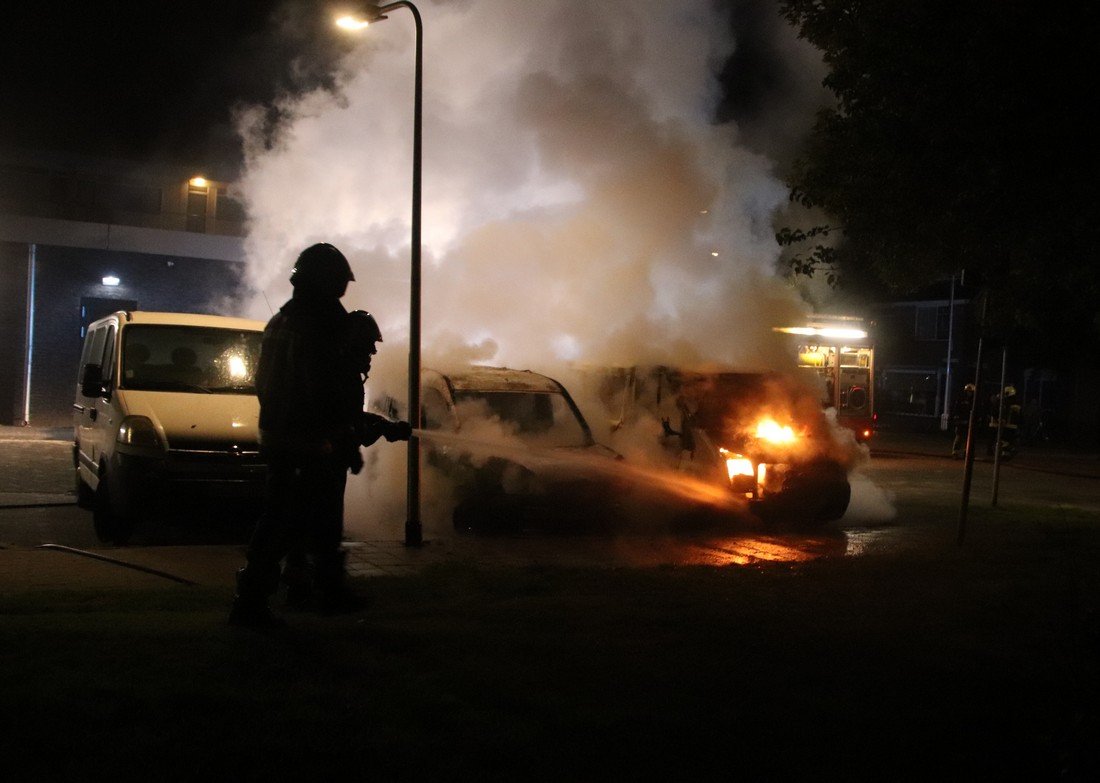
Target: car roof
[(130, 317), (498, 379)]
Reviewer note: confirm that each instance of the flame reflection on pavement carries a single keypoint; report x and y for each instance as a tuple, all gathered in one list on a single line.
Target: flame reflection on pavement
[(747, 550), (726, 549)]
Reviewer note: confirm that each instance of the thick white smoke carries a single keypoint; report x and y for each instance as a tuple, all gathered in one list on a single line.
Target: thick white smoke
[(579, 204)]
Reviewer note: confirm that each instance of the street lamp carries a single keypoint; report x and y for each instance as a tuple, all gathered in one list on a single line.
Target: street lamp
[(414, 534)]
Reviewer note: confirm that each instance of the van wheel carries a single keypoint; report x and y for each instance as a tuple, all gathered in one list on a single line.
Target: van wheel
[(85, 495), (110, 528)]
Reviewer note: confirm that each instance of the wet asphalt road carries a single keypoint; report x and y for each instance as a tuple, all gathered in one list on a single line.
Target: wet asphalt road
[(897, 500)]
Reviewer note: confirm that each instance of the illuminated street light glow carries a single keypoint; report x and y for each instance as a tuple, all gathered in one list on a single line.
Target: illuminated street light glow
[(111, 280), (198, 182), (351, 23)]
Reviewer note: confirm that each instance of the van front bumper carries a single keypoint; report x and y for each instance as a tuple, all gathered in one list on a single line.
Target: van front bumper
[(143, 483)]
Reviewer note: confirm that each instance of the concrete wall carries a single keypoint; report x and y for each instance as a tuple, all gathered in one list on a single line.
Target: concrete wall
[(155, 282), (13, 290)]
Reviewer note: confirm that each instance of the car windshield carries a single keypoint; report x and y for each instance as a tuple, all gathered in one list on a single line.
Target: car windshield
[(539, 418), (189, 359)]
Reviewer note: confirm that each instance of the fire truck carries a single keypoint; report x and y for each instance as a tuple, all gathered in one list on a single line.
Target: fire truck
[(839, 350)]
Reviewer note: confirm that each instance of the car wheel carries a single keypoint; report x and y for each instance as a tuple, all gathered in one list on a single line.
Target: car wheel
[(110, 528), (836, 503), (465, 517)]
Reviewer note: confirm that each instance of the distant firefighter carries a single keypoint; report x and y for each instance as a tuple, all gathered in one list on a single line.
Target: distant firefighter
[(960, 417), (1009, 421)]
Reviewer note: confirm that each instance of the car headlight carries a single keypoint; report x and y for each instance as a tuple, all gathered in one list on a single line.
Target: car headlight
[(138, 431)]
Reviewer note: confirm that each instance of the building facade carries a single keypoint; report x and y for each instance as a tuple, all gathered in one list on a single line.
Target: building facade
[(925, 351), (81, 238), (918, 339)]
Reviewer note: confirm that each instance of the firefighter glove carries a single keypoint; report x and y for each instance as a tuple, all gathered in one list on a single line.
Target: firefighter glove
[(355, 461), (398, 430)]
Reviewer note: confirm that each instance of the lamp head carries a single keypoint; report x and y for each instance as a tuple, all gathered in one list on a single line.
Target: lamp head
[(365, 14)]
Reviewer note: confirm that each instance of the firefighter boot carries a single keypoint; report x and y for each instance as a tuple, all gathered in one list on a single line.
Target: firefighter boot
[(298, 578), (331, 582), (250, 608)]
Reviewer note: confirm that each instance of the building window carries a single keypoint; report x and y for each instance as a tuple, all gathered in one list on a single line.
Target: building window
[(228, 208), (933, 322), (196, 208), (123, 197)]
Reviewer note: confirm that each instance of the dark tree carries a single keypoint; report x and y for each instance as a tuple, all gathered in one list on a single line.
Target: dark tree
[(960, 139)]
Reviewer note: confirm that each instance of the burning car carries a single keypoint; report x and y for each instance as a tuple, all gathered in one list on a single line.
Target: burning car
[(760, 435), (514, 444)]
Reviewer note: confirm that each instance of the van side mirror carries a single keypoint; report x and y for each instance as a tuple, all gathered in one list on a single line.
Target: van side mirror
[(91, 381)]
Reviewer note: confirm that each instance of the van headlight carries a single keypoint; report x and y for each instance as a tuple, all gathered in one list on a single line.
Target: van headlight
[(138, 431)]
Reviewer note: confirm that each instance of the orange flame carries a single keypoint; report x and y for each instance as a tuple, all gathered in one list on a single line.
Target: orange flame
[(736, 464), (773, 432)]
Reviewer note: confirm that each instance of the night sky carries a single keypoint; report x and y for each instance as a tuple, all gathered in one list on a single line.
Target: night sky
[(144, 80), (151, 80)]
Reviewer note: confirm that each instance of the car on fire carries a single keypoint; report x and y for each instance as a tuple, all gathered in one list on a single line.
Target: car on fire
[(761, 436), (165, 414), (515, 446)]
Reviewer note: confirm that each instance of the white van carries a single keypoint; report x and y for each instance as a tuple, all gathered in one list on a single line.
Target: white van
[(166, 412)]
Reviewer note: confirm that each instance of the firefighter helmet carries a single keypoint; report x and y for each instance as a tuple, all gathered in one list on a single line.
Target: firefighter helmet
[(362, 328), (1010, 391), (323, 269), (969, 388), (362, 334)]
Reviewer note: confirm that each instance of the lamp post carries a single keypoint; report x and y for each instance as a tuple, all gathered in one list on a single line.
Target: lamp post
[(414, 535)]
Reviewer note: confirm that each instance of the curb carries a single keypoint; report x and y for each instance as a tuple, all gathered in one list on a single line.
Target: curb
[(35, 433), (986, 461)]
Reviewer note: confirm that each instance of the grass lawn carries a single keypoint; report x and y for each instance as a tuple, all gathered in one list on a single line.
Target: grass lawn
[(979, 660)]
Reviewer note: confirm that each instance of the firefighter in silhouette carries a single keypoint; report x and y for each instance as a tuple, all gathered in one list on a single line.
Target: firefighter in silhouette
[(1009, 413), (363, 335), (304, 583), (960, 417), (306, 433)]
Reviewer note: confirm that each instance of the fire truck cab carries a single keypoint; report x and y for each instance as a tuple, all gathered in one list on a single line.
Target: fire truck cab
[(839, 350)]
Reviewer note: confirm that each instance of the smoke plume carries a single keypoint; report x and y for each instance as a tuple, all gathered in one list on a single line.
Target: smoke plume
[(580, 206)]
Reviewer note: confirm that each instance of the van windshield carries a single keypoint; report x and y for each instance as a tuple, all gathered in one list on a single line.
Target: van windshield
[(189, 359)]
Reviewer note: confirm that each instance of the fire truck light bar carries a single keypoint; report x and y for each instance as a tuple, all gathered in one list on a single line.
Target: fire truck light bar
[(823, 331)]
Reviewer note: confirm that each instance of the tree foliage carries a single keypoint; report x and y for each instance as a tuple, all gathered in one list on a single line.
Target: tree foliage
[(960, 139)]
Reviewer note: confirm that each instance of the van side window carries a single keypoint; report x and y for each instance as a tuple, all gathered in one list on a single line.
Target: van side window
[(93, 347), (109, 356)]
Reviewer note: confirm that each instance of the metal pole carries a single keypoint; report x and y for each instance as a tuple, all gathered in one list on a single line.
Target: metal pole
[(1000, 428), (968, 462), (414, 535), (414, 532), (28, 360), (946, 415)]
